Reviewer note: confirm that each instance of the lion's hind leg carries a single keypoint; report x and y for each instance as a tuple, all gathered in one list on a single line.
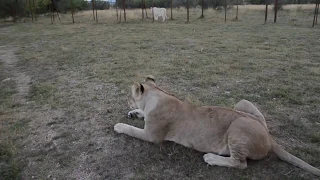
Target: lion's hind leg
[(246, 138), (217, 160), (248, 107)]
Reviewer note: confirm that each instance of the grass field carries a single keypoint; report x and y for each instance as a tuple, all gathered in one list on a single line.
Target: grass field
[(64, 86)]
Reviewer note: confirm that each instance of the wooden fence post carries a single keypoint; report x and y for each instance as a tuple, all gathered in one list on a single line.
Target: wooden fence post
[(171, 10), (96, 11), (317, 14), (266, 13), (145, 8), (152, 10), (71, 6), (92, 3), (30, 9), (316, 11), (34, 10), (202, 16), (124, 10), (142, 10), (237, 10), (225, 10), (187, 11)]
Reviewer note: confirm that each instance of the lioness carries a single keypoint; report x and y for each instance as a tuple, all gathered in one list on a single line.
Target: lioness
[(228, 136)]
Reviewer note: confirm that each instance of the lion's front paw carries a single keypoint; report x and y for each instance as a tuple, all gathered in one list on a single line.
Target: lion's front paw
[(135, 114), (119, 127), (131, 114)]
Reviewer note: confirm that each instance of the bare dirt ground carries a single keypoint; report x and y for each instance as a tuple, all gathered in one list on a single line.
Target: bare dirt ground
[(64, 86)]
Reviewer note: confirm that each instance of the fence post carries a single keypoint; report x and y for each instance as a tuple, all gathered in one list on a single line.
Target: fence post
[(124, 10), (142, 9), (266, 13), (50, 9), (237, 9), (171, 9), (71, 6), (315, 15), (94, 18), (225, 10), (202, 16), (275, 10), (30, 9), (152, 11), (96, 11), (187, 11), (34, 10)]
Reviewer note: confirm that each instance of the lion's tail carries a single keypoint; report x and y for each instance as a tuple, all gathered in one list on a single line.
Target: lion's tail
[(287, 157)]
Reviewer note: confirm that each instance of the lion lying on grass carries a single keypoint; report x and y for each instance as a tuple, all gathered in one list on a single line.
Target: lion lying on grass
[(228, 136)]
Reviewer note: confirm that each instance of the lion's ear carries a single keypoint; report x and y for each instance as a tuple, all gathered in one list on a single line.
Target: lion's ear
[(150, 79), (137, 90)]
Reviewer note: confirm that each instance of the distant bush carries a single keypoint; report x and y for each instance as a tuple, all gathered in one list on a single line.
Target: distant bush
[(12, 8)]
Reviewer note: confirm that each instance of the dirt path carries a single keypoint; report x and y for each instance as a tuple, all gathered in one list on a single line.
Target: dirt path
[(21, 80), (46, 141)]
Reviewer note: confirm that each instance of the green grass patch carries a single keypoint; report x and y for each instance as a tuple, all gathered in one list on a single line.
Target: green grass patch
[(9, 169), (6, 92), (41, 93)]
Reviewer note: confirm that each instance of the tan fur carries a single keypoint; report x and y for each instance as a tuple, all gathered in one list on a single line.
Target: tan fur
[(237, 134)]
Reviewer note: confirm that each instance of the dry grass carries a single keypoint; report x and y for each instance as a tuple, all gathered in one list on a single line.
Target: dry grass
[(79, 77)]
